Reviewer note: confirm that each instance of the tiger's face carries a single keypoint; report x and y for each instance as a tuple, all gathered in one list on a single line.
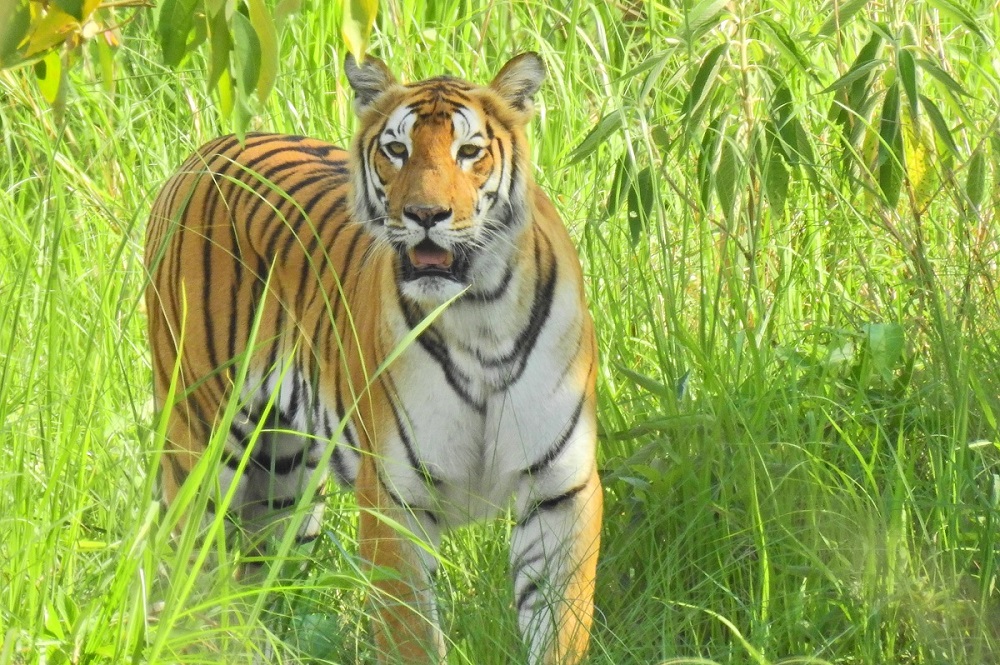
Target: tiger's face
[(440, 173)]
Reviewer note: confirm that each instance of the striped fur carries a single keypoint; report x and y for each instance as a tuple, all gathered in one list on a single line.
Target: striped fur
[(308, 266)]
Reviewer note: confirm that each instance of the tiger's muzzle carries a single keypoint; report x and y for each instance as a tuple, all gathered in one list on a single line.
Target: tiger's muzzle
[(428, 259)]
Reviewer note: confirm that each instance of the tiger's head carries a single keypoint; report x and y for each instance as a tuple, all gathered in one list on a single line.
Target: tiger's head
[(441, 174)]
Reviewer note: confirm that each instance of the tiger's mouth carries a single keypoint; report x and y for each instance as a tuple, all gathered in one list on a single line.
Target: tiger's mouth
[(428, 259)]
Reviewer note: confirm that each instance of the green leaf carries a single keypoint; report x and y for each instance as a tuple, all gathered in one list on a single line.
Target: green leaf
[(49, 73), (262, 24), (704, 81), (359, 17), (843, 104), (702, 14), (975, 181), (840, 16), (890, 149), (645, 382), (726, 177), (775, 178), (13, 30), (857, 72), (246, 54), (174, 24), (885, 343), (708, 157), (107, 63), (908, 75), (640, 204), (657, 68), (284, 9), (939, 123), (662, 140), (782, 115), (621, 183), (226, 94), (803, 144), (53, 29), (784, 42), (943, 77), (604, 128), (962, 15), (221, 43), (72, 7)]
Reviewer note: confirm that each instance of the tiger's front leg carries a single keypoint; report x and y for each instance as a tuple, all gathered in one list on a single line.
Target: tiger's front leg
[(405, 622), (553, 556)]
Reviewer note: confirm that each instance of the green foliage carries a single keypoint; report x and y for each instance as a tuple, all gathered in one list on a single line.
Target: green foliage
[(50, 35), (788, 219), (242, 38)]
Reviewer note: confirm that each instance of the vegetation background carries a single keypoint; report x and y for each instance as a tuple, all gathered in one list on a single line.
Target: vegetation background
[(787, 213)]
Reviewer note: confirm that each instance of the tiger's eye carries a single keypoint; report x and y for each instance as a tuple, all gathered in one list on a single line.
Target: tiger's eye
[(469, 151), (395, 149)]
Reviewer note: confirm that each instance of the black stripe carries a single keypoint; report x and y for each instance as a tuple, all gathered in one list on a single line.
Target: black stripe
[(431, 341), (315, 267), (551, 503), (540, 308), (364, 159), (209, 243), (396, 499), (280, 465), (234, 292), (555, 450), (495, 294), (416, 463), (526, 593), (307, 538), (334, 297), (503, 162), (177, 469), (272, 503), (340, 467), (515, 164), (521, 563)]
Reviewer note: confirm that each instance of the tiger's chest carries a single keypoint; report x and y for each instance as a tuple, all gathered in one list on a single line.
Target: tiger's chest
[(455, 444)]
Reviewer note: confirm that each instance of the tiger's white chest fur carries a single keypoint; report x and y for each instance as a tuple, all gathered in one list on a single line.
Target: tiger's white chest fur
[(479, 399)]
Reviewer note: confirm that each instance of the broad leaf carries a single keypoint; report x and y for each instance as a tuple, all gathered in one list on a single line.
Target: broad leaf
[(246, 53), (908, 75), (604, 128), (890, 149), (359, 17), (174, 24), (840, 16), (939, 123), (640, 204), (975, 181), (704, 82), (260, 18)]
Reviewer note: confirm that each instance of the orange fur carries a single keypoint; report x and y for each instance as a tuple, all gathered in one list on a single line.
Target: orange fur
[(310, 244)]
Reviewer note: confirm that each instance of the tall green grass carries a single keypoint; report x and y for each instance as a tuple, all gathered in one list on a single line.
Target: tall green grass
[(800, 374)]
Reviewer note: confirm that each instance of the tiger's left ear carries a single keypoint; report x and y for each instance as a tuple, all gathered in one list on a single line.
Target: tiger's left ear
[(519, 80), (368, 80)]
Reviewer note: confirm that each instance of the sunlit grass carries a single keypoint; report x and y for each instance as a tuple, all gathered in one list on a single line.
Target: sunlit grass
[(798, 403)]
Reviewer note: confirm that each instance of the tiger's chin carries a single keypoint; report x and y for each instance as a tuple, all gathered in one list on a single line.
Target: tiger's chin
[(430, 274)]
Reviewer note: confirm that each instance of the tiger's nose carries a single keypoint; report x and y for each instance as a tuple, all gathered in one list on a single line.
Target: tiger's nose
[(427, 215)]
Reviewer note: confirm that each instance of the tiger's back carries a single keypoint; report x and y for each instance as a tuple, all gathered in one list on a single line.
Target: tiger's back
[(251, 237), (307, 268)]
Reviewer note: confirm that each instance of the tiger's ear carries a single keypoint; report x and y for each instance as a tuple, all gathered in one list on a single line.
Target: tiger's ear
[(368, 80), (519, 80)]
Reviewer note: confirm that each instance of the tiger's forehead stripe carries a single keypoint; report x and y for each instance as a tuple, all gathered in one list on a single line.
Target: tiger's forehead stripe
[(466, 122)]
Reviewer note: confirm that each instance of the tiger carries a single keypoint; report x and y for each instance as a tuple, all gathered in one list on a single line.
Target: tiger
[(408, 319)]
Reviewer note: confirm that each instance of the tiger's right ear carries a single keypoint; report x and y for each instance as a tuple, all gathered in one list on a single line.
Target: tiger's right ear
[(368, 80)]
